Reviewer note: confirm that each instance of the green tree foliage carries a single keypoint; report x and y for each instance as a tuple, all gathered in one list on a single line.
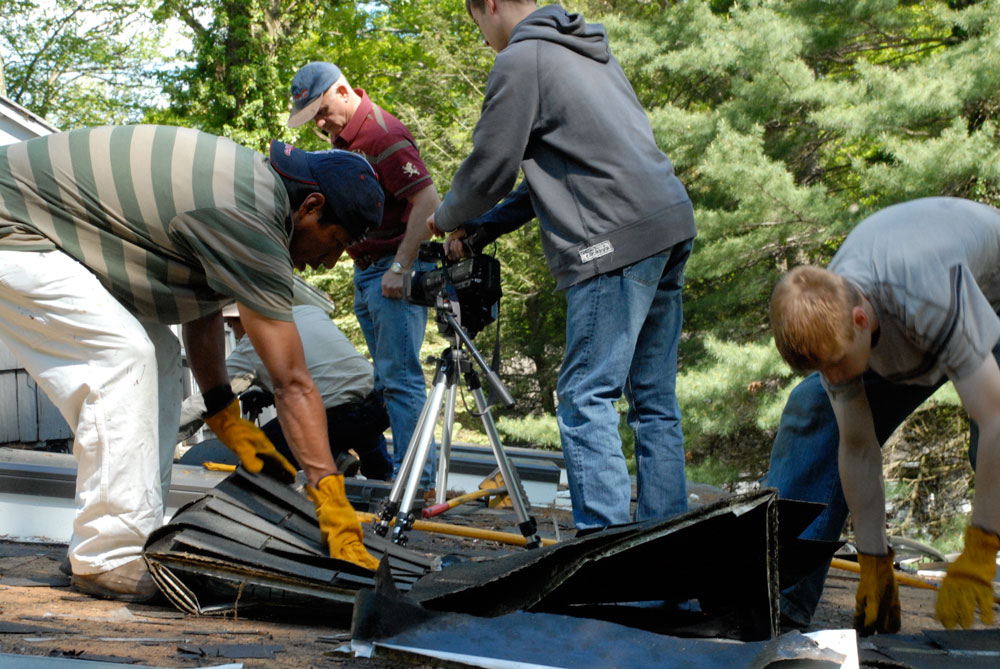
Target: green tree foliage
[(79, 63), (789, 122), (532, 322), (240, 68)]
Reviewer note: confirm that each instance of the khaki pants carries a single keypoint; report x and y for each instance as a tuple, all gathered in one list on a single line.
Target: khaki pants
[(116, 381)]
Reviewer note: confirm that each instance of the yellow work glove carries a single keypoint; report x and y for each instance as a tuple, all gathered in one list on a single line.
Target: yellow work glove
[(246, 440), (969, 582), (877, 608), (338, 522)]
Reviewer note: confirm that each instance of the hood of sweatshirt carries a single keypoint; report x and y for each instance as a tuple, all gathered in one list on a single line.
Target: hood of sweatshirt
[(553, 24)]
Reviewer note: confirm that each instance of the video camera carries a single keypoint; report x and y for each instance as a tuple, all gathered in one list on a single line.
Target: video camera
[(472, 283)]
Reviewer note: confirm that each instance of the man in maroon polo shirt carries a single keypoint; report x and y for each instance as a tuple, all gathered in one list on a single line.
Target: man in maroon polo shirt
[(393, 328)]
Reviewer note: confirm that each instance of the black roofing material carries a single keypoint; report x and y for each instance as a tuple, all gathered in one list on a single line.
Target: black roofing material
[(933, 649), (230, 650), (400, 629), (20, 628), (81, 657), (724, 555), (252, 543)]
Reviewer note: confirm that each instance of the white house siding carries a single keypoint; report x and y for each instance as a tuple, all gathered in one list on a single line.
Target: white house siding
[(26, 414)]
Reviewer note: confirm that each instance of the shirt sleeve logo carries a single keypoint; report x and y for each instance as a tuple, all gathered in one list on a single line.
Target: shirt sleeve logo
[(410, 170)]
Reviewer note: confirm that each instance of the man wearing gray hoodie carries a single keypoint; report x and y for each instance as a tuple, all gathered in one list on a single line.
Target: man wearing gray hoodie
[(617, 228)]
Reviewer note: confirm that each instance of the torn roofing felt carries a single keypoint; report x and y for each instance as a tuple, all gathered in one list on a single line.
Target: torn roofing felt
[(724, 555), (253, 542), (400, 629)]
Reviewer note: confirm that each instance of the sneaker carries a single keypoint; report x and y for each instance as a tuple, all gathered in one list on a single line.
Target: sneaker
[(347, 464), (130, 582)]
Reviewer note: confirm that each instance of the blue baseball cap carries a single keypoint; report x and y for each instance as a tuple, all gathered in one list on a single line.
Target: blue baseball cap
[(308, 86), (353, 195)]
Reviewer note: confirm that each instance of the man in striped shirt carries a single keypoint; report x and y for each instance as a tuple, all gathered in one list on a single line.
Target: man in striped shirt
[(107, 235), (393, 328)]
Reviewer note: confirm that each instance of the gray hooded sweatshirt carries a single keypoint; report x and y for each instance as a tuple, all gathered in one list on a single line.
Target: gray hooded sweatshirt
[(559, 106)]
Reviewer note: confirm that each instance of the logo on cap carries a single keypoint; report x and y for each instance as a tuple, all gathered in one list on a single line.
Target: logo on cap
[(288, 149), (301, 94)]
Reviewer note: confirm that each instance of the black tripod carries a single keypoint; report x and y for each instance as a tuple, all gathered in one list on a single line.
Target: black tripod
[(453, 363)]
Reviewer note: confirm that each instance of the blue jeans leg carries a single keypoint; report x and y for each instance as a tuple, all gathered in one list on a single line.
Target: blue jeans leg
[(606, 316), (804, 465), (394, 331), (654, 414), (376, 463)]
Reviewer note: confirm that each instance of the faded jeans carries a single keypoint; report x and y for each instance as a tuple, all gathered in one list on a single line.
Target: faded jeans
[(804, 463), (622, 330), (394, 331)]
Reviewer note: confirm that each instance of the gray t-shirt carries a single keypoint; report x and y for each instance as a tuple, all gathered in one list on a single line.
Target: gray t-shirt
[(931, 270), (341, 373)]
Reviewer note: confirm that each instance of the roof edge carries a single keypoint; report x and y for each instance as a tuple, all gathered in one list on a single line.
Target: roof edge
[(25, 114)]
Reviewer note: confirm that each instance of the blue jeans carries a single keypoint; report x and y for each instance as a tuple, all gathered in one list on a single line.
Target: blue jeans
[(622, 330), (804, 463), (394, 331)]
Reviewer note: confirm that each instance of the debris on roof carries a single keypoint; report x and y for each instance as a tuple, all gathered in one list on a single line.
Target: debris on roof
[(391, 625), (618, 573), (252, 542), (933, 649)]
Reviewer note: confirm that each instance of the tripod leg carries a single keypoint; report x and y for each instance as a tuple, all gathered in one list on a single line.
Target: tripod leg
[(444, 460), (526, 523), (391, 505), (405, 517)]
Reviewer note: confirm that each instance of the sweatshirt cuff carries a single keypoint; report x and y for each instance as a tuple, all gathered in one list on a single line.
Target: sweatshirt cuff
[(442, 220)]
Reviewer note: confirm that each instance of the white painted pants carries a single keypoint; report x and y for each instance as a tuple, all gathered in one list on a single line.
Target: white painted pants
[(116, 381)]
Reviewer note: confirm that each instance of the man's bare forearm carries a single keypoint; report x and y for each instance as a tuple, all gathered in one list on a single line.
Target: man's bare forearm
[(423, 204), (860, 468), (986, 507), (859, 460), (303, 421), (980, 394)]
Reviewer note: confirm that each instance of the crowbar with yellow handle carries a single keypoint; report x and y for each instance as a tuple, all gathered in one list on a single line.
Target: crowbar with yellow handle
[(462, 531), (901, 577), (218, 466), (438, 509), (440, 528)]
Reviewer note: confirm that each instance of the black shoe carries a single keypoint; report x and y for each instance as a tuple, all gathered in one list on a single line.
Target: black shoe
[(347, 464)]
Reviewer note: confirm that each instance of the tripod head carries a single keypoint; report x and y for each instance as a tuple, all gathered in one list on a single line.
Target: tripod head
[(461, 338)]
